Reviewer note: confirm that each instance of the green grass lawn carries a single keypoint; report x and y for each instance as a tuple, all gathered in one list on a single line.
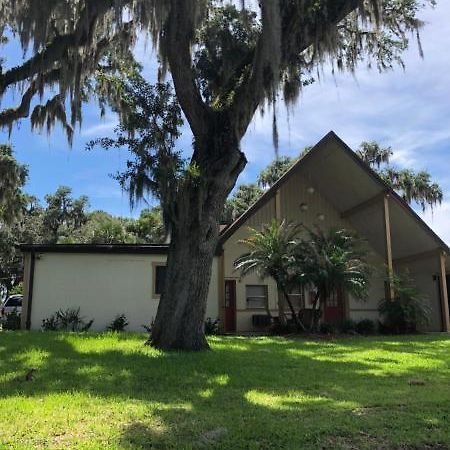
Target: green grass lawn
[(112, 392)]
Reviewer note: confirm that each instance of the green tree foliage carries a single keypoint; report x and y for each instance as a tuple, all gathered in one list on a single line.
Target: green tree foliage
[(240, 201), (148, 228), (13, 176), (327, 261), (149, 131), (224, 41), (100, 228), (275, 170), (63, 214), (10, 261), (409, 309), (12, 179), (374, 155), (413, 187), (332, 261), (272, 254)]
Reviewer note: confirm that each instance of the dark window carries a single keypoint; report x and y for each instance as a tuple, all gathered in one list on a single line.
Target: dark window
[(160, 277)]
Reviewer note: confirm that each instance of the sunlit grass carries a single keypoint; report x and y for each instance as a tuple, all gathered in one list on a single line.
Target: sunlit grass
[(111, 392)]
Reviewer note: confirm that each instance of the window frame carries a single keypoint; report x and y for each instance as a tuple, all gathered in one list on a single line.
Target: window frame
[(155, 266), (265, 297)]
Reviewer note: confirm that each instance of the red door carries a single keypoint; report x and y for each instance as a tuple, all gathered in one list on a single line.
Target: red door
[(230, 306), (334, 308)]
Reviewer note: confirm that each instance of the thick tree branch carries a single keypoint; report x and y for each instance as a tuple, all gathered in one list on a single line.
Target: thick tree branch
[(176, 47), (10, 115)]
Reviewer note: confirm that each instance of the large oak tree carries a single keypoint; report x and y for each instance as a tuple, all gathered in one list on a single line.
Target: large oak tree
[(226, 60)]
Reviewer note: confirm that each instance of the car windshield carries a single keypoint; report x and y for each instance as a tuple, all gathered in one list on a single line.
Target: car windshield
[(14, 301)]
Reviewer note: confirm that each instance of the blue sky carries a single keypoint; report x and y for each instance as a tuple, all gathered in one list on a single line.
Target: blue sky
[(408, 110)]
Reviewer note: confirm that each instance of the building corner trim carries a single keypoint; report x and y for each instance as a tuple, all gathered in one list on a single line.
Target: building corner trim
[(30, 290)]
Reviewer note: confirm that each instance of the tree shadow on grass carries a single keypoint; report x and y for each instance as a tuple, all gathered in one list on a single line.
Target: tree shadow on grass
[(247, 393)]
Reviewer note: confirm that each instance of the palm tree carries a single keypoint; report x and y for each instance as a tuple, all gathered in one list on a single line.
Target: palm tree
[(244, 197), (330, 261), (272, 255), (412, 186), (275, 170), (373, 154)]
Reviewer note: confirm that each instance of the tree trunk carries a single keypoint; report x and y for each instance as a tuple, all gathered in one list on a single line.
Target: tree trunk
[(313, 323), (281, 315), (179, 323), (296, 319)]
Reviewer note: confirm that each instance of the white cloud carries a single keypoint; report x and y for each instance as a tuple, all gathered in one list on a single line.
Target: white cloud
[(100, 129)]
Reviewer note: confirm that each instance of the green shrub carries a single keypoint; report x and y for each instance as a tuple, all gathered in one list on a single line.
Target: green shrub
[(327, 328), (66, 320), (365, 327), (407, 311), (12, 321), (50, 323), (118, 324), (17, 289), (347, 326)]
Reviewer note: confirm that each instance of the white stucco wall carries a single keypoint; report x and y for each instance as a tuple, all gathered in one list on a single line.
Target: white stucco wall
[(102, 285)]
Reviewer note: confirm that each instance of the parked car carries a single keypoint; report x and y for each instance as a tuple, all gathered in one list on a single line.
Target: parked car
[(12, 303)]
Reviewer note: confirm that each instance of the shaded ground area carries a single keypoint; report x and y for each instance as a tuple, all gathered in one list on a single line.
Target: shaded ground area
[(111, 392)]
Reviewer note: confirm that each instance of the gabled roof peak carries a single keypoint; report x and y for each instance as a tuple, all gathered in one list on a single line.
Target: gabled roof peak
[(330, 137)]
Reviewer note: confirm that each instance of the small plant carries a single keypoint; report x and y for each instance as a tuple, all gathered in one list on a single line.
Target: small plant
[(50, 323), (407, 311), (12, 321), (348, 326), (327, 328), (118, 324), (17, 289), (66, 320), (211, 326), (365, 327)]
